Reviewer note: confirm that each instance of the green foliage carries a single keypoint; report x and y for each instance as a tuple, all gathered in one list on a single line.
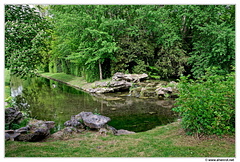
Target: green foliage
[(207, 105), (24, 33), (10, 100), (95, 41), (218, 51)]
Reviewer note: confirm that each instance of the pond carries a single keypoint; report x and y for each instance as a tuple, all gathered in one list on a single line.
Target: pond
[(46, 99)]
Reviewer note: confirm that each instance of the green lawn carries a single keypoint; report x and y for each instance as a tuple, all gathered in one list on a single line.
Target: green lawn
[(163, 141), (71, 80)]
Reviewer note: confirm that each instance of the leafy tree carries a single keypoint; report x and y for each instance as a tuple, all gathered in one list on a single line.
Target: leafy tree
[(162, 40), (84, 38), (24, 32), (208, 33)]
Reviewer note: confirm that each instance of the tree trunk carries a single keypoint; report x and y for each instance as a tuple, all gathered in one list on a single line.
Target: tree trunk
[(100, 69)]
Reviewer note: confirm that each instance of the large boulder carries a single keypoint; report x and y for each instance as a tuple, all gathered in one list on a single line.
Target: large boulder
[(94, 121), (129, 77), (36, 130), (120, 85), (110, 86), (120, 82)]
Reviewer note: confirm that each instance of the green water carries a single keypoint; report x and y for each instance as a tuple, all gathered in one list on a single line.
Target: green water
[(45, 99)]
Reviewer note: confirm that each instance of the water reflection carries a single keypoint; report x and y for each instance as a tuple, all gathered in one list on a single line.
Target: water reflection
[(50, 100)]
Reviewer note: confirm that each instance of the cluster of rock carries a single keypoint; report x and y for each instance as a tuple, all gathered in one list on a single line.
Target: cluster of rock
[(12, 115), (155, 90), (136, 88), (119, 82), (88, 120), (36, 130)]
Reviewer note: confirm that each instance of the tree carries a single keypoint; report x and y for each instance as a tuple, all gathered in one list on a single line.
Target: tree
[(208, 36), (161, 40), (24, 33), (84, 38)]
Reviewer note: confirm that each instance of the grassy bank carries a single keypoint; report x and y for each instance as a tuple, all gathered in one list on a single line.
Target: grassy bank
[(163, 141), (74, 81)]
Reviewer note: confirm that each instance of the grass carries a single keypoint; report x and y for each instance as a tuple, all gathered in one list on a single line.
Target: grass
[(75, 81), (163, 141)]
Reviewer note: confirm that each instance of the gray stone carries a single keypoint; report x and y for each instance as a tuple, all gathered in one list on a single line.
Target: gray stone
[(7, 136), (94, 121), (12, 115), (111, 129), (23, 129), (73, 123), (36, 130), (123, 132), (129, 77), (9, 131), (120, 85), (11, 136), (100, 90)]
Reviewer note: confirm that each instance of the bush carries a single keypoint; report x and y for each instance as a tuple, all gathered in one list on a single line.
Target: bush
[(207, 105)]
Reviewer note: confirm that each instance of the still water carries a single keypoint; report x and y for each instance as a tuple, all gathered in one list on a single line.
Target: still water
[(46, 99)]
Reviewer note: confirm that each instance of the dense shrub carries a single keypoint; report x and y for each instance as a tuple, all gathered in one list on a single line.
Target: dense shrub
[(207, 105)]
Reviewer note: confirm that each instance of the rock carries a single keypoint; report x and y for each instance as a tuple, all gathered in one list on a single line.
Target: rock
[(36, 130), (152, 113), (12, 115), (112, 86), (74, 122), (107, 129), (9, 131), (111, 129), (11, 135), (64, 133), (120, 82), (167, 89), (68, 130), (100, 90), (148, 92), (58, 135), (94, 121), (123, 132), (129, 77), (50, 124), (161, 91), (101, 84), (7, 137), (23, 130)]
